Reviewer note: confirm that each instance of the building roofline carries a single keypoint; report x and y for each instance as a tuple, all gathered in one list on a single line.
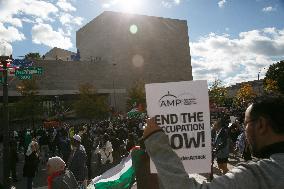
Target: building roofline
[(163, 18), (94, 19), (245, 82), (60, 49), (130, 14)]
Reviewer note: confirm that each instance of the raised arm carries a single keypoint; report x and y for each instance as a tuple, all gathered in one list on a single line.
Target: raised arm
[(172, 174)]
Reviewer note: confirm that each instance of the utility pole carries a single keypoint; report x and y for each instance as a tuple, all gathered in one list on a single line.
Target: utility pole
[(6, 168), (259, 71)]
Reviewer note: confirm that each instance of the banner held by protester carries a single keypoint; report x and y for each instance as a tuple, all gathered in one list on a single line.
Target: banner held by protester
[(181, 109), (122, 175)]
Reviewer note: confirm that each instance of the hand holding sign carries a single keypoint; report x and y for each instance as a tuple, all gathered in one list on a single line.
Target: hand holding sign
[(151, 128), (181, 110)]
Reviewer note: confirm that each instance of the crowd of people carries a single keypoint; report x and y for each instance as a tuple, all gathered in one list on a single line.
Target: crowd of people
[(228, 138), (68, 151), (109, 141), (106, 141)]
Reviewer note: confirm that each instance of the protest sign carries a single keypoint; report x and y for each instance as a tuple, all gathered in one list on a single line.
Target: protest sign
[(182, 110)]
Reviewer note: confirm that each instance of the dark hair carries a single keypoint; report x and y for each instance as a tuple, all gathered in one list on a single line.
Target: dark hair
[(272, 109), (224, 120), (106, 137)]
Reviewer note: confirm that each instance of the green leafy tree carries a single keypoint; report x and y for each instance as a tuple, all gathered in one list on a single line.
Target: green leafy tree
[(244, 97), (28, 87), (275, 72), (90, 104), (29, 107), (218, 94), (270, 86), (34, 56), (136, 95)]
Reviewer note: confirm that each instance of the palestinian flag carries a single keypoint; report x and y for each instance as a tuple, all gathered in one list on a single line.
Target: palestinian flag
[(135, 113), (121, 176)]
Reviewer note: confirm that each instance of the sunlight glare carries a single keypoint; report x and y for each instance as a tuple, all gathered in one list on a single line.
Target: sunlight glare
[(133, 29), (131, 6)]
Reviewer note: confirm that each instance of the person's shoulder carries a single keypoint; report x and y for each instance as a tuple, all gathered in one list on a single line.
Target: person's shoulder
[(277, 158), (269, 166), (81, 150), (65, 180), (69, 173), (57, 181)]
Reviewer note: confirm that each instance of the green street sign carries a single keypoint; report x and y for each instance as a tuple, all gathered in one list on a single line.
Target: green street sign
[(20, 72), (24, 77), (29, 71), (39, 70)]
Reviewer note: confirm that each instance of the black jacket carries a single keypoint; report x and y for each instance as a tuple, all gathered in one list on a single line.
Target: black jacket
[(30, 166)]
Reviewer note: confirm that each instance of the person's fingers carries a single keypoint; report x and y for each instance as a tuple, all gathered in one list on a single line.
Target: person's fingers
[(151, 127), (150, 121)]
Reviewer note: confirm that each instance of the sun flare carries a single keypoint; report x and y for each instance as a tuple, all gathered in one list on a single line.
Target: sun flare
[(130, 6)]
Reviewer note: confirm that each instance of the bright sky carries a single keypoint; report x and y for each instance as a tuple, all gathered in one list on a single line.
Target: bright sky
[(229, 39)]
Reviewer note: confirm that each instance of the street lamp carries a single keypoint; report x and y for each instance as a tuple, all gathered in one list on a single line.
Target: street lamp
[(5, 54), (259, 71)]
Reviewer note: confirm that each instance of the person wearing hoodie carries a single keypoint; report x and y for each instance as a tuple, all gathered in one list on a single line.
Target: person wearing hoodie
[(77, 161)]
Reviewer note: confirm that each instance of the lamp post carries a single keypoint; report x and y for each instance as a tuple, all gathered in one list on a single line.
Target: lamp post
[(259, 71), (4, 56)]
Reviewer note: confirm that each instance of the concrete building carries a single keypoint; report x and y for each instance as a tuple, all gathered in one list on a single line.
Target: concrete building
[(116, 50), (59, 54), (257, 86)]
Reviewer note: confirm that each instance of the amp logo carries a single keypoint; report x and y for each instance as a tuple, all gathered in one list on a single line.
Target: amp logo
[(170, 100)]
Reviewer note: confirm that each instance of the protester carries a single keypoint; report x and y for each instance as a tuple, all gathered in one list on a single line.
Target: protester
[(105, 150), (43, 143), (58, 176), (13, 157), (77, 161), (116, 143), (234, 131), (112, 136), (130, 143), (221, 144), (88, 145), (27, 140), (31, 163), (264, 126), (243, 147), (64, 145), (53, 142), (71, 132)]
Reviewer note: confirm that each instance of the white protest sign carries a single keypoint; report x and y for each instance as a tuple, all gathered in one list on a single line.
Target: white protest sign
[(182, 110)]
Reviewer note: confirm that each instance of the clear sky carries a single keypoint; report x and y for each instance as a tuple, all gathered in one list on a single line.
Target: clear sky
[(231, 40)]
